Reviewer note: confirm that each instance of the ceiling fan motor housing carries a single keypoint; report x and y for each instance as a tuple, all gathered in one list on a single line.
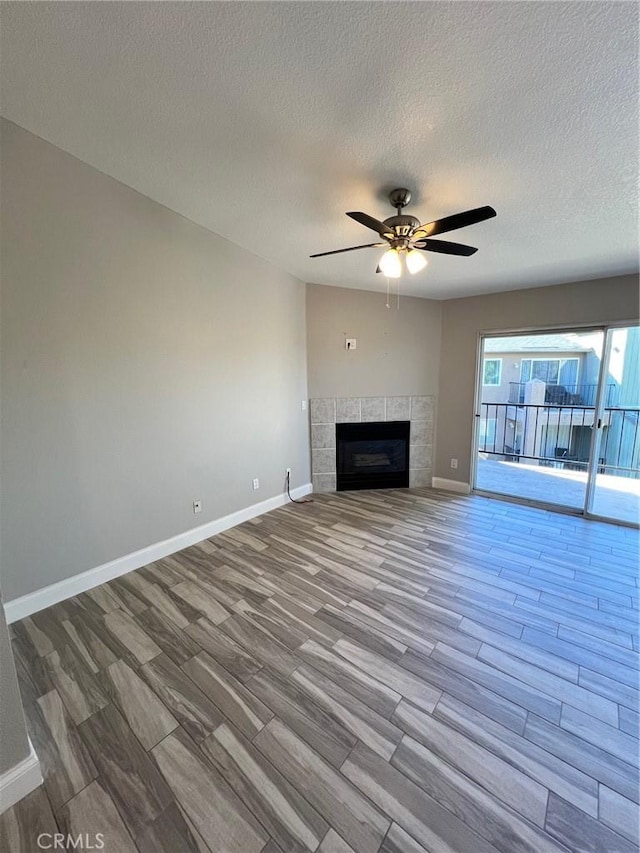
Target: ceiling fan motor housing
[(402, 226)]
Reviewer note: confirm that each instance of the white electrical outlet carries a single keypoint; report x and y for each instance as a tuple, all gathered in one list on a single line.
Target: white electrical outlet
[(197, 506), (256, 483), (351, 343), (454, 463), (303, 405), (289, 471)]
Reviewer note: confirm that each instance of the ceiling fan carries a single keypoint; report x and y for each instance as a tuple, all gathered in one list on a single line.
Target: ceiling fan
[(405, 236)]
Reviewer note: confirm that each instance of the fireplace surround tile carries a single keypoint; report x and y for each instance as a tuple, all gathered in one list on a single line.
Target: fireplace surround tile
[(324, 482), (421, 432), (323, 461), (420, 456), (372, 409), (398, 408), (347, 410), (323, 435), (323, 411), (419, 478), (422, 408)]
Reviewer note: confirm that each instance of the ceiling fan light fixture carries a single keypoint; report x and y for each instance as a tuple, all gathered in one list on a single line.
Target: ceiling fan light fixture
[(416, 261), (390, 264)]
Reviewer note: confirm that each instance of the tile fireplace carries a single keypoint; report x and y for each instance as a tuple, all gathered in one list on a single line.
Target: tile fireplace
[(329, 413)]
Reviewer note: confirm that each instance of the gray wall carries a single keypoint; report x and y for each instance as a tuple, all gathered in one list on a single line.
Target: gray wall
[(146, 363), (14, 746), (397, 353), (597, 301)]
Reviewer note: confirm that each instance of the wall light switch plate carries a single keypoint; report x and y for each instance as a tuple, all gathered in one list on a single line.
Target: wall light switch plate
[(351, 343)]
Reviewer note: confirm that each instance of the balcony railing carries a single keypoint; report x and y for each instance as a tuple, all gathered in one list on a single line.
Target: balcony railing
[(565, 395), (548, 435)]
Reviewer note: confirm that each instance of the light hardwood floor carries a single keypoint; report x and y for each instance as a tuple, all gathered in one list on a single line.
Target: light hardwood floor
[(397, 671)]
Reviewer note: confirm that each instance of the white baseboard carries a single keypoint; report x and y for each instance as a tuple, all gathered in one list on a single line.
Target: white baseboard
[(18, 608), (20, 780), (451, 485)]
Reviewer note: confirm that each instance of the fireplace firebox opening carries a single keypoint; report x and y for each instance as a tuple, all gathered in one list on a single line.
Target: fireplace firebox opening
[(372, 455)]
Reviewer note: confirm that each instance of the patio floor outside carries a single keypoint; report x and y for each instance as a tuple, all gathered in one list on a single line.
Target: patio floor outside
[(615, 497)]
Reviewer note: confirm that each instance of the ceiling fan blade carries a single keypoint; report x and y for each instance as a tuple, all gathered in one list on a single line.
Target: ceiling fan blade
[(369, 222), (458, 220), (445, 247), (350, 249)]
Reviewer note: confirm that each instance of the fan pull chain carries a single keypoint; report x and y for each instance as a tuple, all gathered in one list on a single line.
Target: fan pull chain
[(388, 305)]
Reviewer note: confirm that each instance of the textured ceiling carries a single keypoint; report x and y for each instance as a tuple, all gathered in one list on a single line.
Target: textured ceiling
[(266, 121)]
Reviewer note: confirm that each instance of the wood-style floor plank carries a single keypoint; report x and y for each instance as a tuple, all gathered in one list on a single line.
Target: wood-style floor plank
[(128, 774), (170, 833), (399, 841), (72, 768), (580, 832), (287, 816), (195, 712), (148, 717), (92, 814), (233, 657), (217, 813), (590, 759), (304, 716), (403, 682), (235, 701), (507, 829), (127, 631), (175, 643), (551, 772), (362, 825), (422, 817), (508, 784), (365, 724), (77, 687), (370, 690), (620, 814), (332, 843), (29, 819), (375, 672)]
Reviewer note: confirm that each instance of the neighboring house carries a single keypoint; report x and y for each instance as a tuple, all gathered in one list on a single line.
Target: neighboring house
[(621, 441), (538, 400)]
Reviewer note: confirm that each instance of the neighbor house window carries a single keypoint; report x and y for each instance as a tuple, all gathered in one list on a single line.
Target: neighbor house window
[(553, 371), (492, 371)]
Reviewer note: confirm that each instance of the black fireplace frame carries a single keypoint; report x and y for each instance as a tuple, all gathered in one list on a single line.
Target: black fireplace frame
[(347, 480)]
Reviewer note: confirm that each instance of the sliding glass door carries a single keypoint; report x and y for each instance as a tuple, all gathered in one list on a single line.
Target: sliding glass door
[(557, 420), (614, 485)]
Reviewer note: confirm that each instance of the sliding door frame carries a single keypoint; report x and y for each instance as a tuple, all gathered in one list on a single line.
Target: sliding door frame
[(594, 450)]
